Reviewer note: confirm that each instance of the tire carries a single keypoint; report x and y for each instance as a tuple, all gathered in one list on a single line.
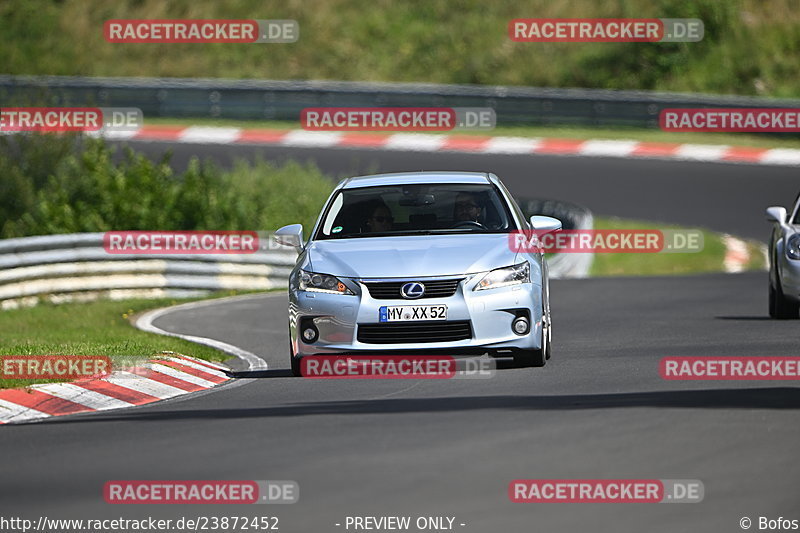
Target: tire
[(534, 358), (772, 297), (537, 358), (780, 306), (529, 358), (294, 361), (548, 343), (296, 367)]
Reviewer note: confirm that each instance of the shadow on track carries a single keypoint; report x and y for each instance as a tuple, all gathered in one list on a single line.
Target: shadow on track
[(765, 318), (761, 398), (261, 374), (500, 364)]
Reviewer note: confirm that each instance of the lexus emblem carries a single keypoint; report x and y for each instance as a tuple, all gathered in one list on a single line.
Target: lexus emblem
[(412, 290)]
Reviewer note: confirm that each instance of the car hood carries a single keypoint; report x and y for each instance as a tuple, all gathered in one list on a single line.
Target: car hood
[(412, 256)]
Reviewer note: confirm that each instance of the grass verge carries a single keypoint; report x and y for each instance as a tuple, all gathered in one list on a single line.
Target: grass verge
[(710, 259), (95, 328)]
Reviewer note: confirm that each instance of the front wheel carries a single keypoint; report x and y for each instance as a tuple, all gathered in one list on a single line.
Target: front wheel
[(534, 358), (528, 358), (779, 305), (296, 367), (295, 361), (548, 339)]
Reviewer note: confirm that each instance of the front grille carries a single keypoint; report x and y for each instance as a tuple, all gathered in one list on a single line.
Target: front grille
[(390, 290), (411, 332)]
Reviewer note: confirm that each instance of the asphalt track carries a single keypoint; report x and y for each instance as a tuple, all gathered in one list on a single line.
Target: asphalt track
[(449, 448), (725, 197)]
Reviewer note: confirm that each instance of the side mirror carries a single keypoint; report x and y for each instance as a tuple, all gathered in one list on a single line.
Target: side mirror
[(291, 235), (543, 224), (776, 214)]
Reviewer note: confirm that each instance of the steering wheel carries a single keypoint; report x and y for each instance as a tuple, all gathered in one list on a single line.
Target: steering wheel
[(470, 223)]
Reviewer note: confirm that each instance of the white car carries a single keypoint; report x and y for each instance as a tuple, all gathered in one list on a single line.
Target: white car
[(421, 263), (784, 261)]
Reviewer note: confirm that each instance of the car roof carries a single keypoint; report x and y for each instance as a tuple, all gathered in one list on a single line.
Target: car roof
[(412, 178)]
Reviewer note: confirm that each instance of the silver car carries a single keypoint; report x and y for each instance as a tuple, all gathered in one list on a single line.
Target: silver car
[(419, 263), (784, 261)]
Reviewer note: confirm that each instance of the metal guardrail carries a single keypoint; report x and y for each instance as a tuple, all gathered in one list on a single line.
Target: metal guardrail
[(283, 100), (572, 217), (75, 267)]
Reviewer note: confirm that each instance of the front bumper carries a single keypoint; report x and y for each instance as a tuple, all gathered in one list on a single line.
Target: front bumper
[(489, 314)]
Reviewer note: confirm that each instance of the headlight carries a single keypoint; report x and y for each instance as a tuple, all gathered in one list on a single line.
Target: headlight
[(502, 277), (313, 282), (793, 246)]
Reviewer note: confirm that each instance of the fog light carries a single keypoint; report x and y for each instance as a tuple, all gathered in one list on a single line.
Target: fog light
[(310, 334), (520, 325)]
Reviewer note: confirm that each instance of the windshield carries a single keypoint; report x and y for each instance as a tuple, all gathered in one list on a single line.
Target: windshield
[(416, 209)]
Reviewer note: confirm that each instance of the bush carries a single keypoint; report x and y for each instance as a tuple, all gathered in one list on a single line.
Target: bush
[(51, 184), (750, 46)]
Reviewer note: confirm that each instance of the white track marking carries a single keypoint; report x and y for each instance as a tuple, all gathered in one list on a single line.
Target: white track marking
[(736, 254), (418, 142), (88, 398), (204, 362), (196, 366), (113, 135), (177, 374), (781, 156), (511, 145), (205, 134), (145, 323), (11, 412), (136, 383), (608, 148), (701, 152), (311, 138)]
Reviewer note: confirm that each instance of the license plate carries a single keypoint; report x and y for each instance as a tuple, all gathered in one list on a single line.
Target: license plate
[(412, 313)]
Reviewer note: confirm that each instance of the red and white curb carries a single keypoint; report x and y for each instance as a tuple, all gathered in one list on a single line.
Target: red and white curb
[(158, 379), (736, 254), (155, 380), (473, 144)]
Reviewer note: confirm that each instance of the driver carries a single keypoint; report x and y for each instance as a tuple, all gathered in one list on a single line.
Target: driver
[(467, 207), (379, 217)]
